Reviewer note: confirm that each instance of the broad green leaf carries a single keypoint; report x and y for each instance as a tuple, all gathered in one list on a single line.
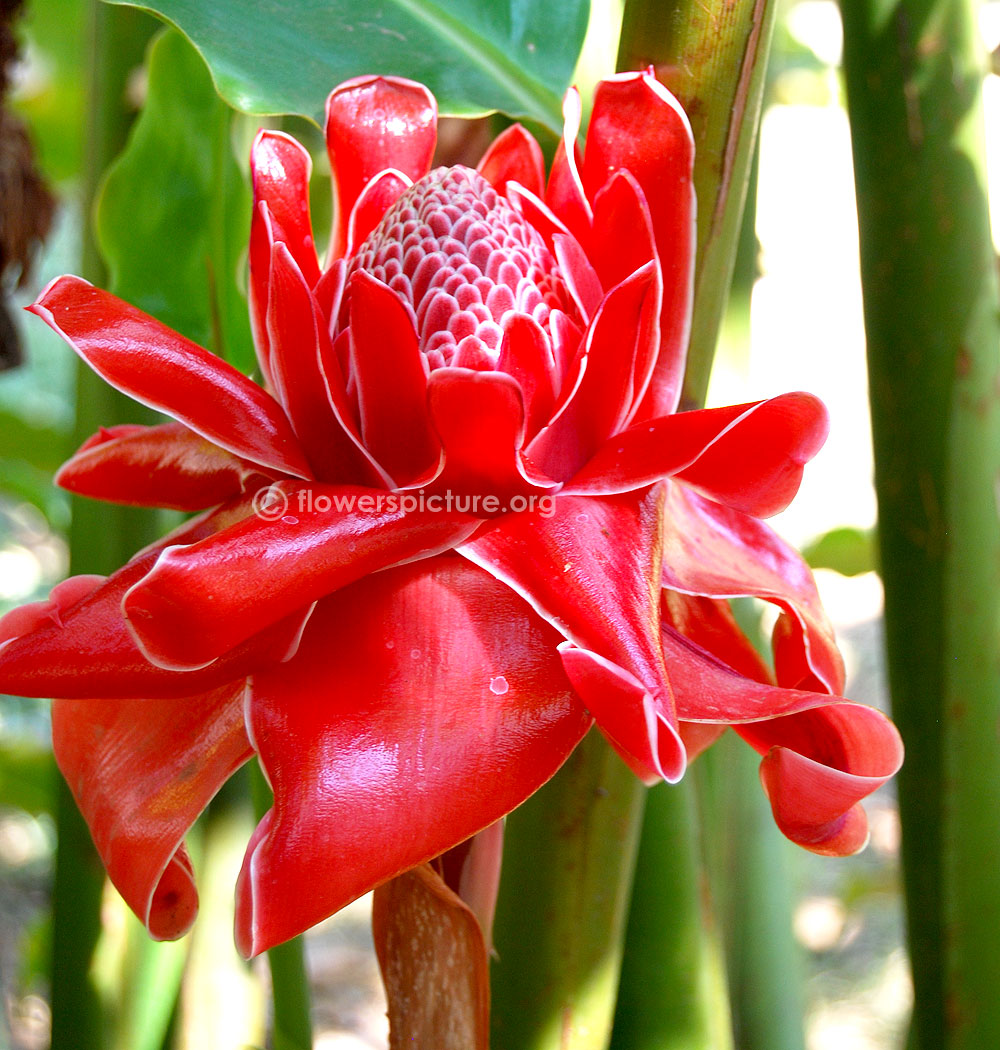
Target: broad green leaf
[(173, 216), (845, 550), (281, 56)]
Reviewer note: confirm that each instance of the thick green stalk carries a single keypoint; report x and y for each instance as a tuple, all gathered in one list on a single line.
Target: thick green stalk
[(673, 985), (101, 538), (713, 56), (749, 868), (914, 76), (289, 979), (569, 854)]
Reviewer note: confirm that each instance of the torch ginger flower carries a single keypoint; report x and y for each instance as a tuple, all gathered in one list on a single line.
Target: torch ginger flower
[(460, 521)]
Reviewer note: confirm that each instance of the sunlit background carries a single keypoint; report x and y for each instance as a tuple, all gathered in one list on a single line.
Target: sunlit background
[(805, 332)]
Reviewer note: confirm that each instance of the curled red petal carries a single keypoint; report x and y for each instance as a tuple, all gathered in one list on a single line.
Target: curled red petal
[(600, 403), (279, 169), (719, 552), (300, 362), (565, 193), (514, 156), (638, 125), (375, 200), (203, 599), (479, 417), (749, 457), (167, 465), (160, 368), (77, 644), (374, 123), (526, 354), (590, 566), (425, 703), (391, 379), (141, 773)]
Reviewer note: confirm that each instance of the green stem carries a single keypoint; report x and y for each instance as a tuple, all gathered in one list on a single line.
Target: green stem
[(101, 538), (914, 77), (289, 977), (714, 59), (569, 853), (673, 985)]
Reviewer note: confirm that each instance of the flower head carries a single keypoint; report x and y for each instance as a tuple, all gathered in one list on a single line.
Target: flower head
[(459, 521)]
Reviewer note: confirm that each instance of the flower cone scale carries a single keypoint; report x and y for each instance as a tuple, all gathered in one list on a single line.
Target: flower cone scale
[(459, 522)]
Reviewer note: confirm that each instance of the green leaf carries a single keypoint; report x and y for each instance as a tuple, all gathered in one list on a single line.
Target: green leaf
[(281, 56), (846, 550), (173, 216)]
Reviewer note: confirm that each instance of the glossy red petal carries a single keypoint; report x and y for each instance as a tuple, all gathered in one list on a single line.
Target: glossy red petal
[(580, 276), (638, 125), (526, 354), (159, 368), (374, 123), (77, 643), (376, 199), (565, 193), (719, 552), (280, 170), (637, 723), (391, 381), (822, 754), (141, 772), (591, 568), (300, 351), (600, 404), (749, 457), (818, 765), (514, 156), (201, 600), (479, 417), (159, 466), (425, 703)]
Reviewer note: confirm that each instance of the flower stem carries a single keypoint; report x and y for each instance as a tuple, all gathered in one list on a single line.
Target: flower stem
[(713, 57), (569, 853), (101, 538), (914, 74), (289, 977), (673, 986)]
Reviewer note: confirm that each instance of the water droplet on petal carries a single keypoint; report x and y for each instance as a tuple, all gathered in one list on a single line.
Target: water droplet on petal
[(583, 517), (390, 645), (498, 685), (288, 519), (415, 654)]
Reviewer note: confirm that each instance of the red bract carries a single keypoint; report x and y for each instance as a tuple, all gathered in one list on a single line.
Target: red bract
[(460, 520)]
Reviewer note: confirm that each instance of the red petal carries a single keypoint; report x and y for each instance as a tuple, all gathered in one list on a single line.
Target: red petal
[(565, 194), (424, 704), (600, 404), (638, 125), (300, 347), (749, 457), (514, 156), (77, 643), (376, 199), (159, 368), (822, 754), (374, 123), (479, 417), (161, 466), (525, 354), (141, 772), (592, 569), (715, 551), (392, 382), (202, 600), (280, 170)]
